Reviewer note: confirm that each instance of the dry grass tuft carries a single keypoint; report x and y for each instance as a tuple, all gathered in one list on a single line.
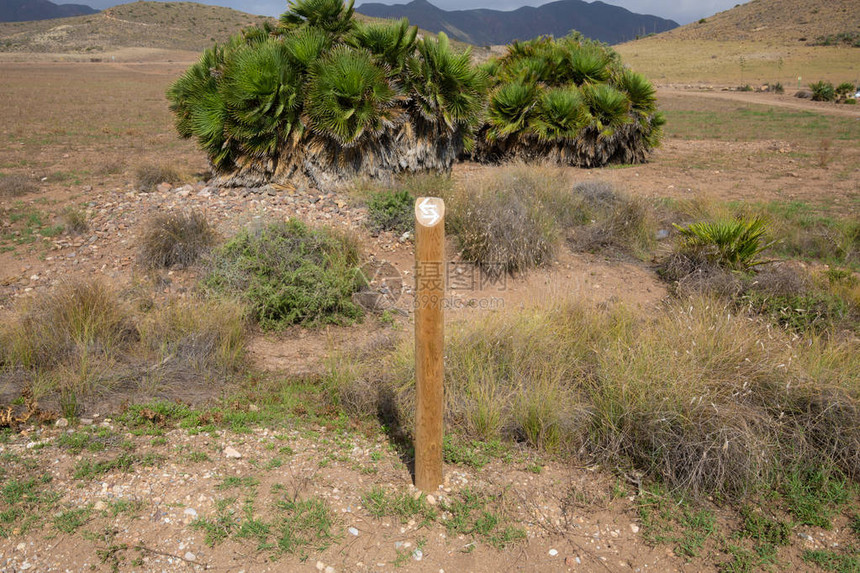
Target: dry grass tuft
[(697, 396), (149, 176), (76, 344), (77, 321), (17, 185), (612, 220), (175, 240), (509, 218), (75, 220)]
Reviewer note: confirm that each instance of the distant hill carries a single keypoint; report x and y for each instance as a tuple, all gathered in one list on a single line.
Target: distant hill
[(24, 10), (484, 27), (163, 25), (793, 21), (792, 42)]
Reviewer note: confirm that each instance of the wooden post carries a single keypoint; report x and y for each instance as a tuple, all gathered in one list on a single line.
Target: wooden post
[(429, 340)]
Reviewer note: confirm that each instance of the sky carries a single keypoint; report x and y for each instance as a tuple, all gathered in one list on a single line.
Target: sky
[(682, 11)]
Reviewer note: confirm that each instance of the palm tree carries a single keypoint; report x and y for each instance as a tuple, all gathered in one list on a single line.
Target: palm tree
[(568, 100), (200, 111)]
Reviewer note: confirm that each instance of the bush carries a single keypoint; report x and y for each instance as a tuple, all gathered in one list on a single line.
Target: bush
[(696, 396), (509, 219), (16, 185), (175, 239), (570, 101), (390, 210), (289, 274), (149, 176), (79, 320), (323, 97), (776, 88), (75, 220), (823, 91), (734, 244), (612, 220), (74, 346), (844, 89), (203, 335)]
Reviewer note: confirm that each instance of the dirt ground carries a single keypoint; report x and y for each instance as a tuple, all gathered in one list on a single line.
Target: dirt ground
[(82, 129)]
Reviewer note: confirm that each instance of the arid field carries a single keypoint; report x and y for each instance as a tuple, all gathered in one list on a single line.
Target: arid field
[(613, 403)]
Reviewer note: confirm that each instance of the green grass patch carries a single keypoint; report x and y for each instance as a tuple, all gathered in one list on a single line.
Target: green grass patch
[(752, 123)]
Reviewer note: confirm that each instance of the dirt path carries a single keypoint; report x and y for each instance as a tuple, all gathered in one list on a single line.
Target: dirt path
[(776, 100)]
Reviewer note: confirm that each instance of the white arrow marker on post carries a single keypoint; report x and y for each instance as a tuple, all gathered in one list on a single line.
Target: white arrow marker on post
[(429, 214)]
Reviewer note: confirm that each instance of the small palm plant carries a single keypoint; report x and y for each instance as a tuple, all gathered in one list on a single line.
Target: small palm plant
[(734, 243)]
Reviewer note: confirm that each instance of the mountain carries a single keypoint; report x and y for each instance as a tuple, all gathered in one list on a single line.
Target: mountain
[(24, 10), (791, 21), (160, 25), (483, 27)]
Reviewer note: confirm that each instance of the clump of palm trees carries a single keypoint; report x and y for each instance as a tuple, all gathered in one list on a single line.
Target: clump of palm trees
[(321, 98), (568, 100)]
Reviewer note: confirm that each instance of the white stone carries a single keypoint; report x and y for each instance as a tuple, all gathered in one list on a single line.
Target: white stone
[(417, 555), (431, 499), (21, 546), (231, 452), (62, 423), (553, 552), (353, 531), (190, 556), (329, 569), (320, 565), (191, 512), (634, 528)]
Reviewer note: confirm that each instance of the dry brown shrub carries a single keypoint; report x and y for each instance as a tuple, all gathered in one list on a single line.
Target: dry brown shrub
[(175, 239), (17, 185)]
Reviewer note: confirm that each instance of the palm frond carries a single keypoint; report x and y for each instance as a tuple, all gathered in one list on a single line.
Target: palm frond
[(349, 96), (262, 92), (734, 243), (445, 88), (510, 108), (642, 95), (560, 114), (332, 16), (390, 42)]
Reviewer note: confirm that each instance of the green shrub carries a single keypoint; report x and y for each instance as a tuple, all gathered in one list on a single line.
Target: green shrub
[(844, 89), (570, 101), (289, 274), (175, 240), (324, 97), (390, 210), (776, 88), (822, 91)]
